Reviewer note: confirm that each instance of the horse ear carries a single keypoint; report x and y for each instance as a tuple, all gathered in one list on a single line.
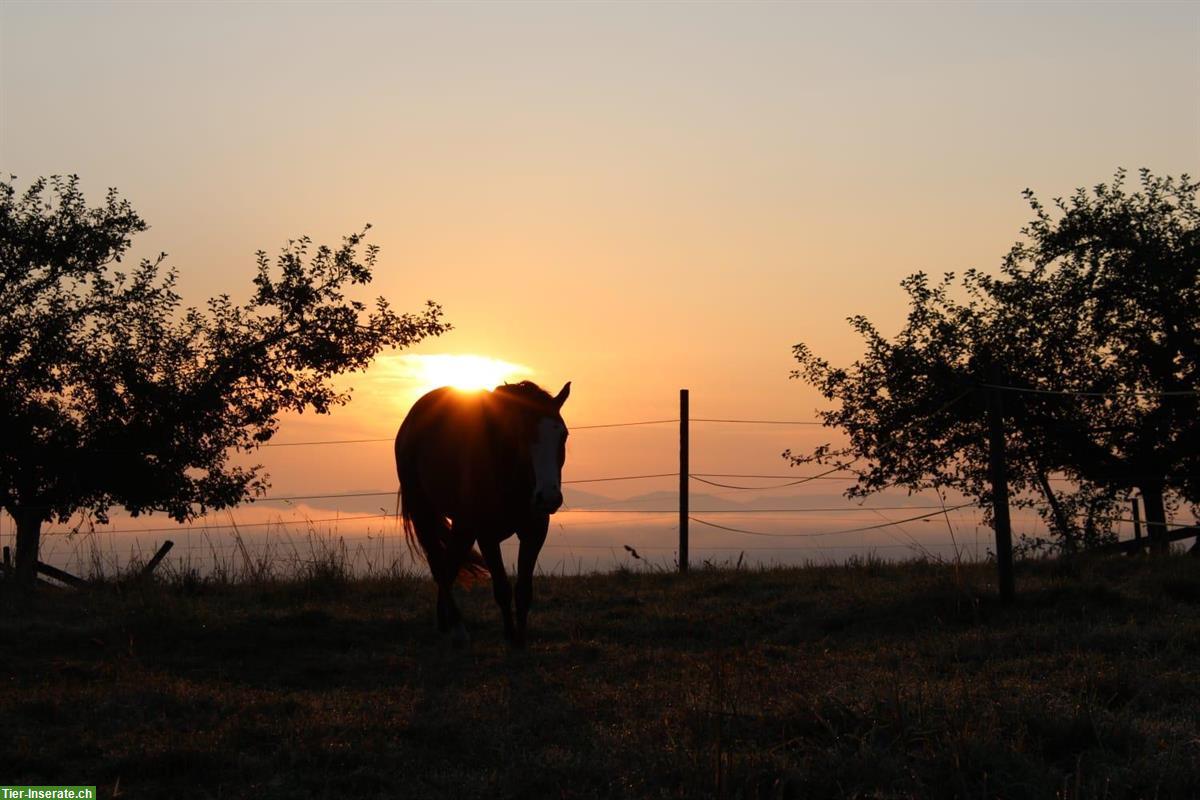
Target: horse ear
[(563, 394)]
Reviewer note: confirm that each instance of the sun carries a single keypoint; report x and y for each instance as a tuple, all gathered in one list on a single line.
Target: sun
[(467, 372)]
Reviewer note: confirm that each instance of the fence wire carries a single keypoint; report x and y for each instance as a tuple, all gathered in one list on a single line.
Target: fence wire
[(643, 516)]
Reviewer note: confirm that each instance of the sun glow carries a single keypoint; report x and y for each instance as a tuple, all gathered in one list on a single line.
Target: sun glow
[(466, 372)]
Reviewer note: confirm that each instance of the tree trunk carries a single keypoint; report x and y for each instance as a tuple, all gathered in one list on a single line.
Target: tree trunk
[(29, 534), (1065, 528), (1156, 519)]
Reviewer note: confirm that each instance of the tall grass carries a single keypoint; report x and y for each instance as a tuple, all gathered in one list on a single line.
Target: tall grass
[(284, 553)]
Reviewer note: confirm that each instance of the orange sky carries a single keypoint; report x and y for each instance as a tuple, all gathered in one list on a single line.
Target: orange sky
[(633, 197)]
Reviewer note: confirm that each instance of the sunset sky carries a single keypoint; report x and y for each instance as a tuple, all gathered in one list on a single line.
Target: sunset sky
[(634, 197)]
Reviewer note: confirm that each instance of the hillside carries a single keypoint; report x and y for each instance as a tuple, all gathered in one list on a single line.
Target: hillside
[(867, 680)]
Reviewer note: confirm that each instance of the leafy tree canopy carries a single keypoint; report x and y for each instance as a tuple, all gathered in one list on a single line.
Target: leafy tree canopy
[(114, 393), (1092, 328)]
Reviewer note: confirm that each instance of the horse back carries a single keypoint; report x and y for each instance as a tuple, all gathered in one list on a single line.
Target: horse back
[(445, 456)]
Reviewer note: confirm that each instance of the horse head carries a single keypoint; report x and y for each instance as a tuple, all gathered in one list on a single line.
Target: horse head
[(540, 439)]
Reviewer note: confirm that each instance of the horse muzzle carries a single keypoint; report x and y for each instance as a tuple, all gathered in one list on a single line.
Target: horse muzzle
[(547, 501)]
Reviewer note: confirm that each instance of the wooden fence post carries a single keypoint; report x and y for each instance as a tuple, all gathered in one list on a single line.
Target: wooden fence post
[(998, 468), (1137, 525), (683, 480), (158, 557), (62, 575)]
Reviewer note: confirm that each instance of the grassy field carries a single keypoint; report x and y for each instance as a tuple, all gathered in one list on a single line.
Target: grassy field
[(868, 680)]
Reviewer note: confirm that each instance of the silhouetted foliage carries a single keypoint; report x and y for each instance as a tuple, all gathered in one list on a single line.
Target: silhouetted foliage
[(1102, 297), (113, 393)]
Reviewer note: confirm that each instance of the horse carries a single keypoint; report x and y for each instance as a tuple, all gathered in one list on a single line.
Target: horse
[(475, 468)]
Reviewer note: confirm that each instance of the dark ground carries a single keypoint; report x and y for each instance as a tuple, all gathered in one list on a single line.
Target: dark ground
[(863, 681)]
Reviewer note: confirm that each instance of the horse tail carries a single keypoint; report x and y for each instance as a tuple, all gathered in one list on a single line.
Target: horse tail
[(473, 568), (429, 533)]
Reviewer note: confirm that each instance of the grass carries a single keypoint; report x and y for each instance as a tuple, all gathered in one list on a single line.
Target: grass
[(865, 680)]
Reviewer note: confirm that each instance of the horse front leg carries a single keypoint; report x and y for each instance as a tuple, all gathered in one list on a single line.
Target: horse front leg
[(501, 589), (532, 537)]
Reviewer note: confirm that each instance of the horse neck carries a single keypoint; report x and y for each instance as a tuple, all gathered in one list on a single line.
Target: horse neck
[(498, 419)]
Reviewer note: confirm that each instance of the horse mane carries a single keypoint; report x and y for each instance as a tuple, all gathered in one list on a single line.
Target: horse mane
[(526, 395), (527, 391)]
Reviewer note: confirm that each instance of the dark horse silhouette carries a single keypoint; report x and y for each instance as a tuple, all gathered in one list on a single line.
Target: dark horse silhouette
[(476, 467)]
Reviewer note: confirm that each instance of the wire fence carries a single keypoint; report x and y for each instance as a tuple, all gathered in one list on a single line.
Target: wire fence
[(618, 513)]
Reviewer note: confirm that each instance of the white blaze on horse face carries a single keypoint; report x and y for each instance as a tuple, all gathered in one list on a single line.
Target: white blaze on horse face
[(547, 471)]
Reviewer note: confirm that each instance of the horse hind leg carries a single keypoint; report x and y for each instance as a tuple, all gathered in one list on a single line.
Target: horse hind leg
[(449, 617), (432, 533)]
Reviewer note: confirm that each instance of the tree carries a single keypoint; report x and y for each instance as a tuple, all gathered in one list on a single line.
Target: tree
[(1092, 333), (112, 393)]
